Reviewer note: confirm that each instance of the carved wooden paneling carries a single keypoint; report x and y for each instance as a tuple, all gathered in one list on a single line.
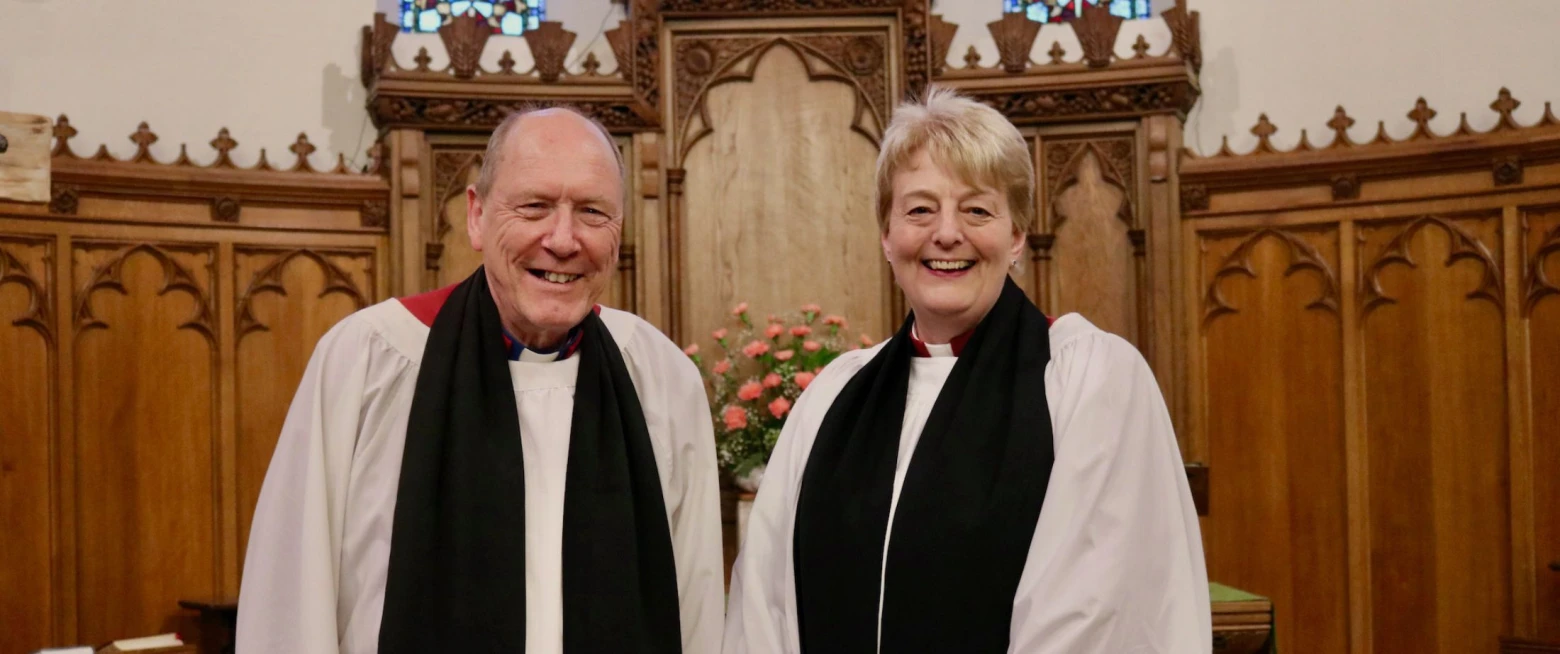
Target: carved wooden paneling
[(287, 299), (1277, 521), (145, 421), (1542, 237), (812, 238), (1435, 422), (1098, 246), (26, 439)]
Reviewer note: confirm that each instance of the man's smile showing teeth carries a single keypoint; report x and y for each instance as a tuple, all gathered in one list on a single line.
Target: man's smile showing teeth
[(555, 277), (950, 265)]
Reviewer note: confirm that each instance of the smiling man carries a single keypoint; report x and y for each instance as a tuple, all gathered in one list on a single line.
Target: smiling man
[(501, 465)]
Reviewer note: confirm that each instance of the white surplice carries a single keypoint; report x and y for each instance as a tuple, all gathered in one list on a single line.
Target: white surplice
[(319, 548), (1116, 563)]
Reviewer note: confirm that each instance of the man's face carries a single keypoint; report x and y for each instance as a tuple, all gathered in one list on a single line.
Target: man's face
[(550, 225)]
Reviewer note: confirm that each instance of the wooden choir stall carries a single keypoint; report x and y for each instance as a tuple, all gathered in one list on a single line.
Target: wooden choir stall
[(1357, 339)]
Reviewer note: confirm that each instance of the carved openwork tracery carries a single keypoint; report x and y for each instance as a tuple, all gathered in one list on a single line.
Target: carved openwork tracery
[(176, 277), (1462, 245), (1302, 256), (269, 280)]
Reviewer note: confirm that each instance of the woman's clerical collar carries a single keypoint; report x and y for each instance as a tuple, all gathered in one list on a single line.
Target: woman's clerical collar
[(950, 349)]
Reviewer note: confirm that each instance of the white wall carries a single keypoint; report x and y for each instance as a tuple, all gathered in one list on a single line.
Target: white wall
[(270, 69), (1297, 61)]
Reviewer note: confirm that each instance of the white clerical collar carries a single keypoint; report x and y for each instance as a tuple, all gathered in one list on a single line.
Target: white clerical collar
[(931, 349)]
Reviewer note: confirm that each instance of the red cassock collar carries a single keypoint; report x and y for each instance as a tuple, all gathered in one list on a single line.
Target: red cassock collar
[(425, 307)]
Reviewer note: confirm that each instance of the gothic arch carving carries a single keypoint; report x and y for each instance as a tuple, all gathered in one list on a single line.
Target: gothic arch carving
[(110, 275), (1302, 256), (1464, 245), (269, 279)]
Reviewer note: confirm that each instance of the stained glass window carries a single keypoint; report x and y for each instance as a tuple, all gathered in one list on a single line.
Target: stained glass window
[(1057, 11), (512, 17)]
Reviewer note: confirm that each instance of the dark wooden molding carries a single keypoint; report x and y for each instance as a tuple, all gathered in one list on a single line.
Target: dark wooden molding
[(1423, 151), (1121, 91), (222, 185)]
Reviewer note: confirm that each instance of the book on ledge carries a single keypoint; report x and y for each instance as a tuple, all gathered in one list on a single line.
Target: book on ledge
[(161, 643)]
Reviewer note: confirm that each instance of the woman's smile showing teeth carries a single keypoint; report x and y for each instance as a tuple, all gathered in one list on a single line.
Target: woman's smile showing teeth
[(947, 266)]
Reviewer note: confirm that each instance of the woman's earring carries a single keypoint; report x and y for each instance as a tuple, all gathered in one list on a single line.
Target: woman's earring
[(1014, 264)]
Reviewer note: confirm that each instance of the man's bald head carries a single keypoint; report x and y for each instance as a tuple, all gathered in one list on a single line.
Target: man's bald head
[(558, 121)]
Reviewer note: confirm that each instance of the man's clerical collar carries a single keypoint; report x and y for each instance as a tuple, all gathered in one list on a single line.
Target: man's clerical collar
[(565, 348), (950, 349)]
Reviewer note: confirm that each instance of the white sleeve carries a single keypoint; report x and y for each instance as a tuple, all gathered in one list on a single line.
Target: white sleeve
[(1116, 565), (761, 614), (696, 525), (287, 602)]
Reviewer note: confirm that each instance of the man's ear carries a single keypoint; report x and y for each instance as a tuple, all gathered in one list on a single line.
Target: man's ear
[(474, 217)]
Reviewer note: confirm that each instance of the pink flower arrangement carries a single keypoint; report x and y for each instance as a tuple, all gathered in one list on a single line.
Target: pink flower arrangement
[(779, 407), (750, 391), (735, 418), (754, 393)]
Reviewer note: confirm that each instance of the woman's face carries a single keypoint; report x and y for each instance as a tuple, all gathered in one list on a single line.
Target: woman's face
[(950, 246)]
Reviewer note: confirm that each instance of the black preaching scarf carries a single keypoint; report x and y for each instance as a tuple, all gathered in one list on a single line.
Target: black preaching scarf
[(967, 508), (457, 547)]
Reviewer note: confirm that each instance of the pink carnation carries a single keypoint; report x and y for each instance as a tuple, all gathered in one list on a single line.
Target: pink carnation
[(750, 391), (834, 320), (812, 346), (755, 349), (784, 355), (772, 380), (866, 341), (691, 349), (811, 308), (739, 309), (800, 331), (736, 418), (774, 330), (803, 379), (779, 407), (723, 366), (719, 333)]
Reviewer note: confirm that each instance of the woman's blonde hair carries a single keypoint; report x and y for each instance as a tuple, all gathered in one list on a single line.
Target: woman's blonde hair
[(969, 139)]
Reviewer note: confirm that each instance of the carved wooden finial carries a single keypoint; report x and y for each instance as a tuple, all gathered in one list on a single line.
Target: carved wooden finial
[(549, 47), (941, 35), (1504, 105), (591, 64), (971, 58), (223, 144), (506, 63), (1340, 124), (618, 37), (464, 38), (377, 154), (1185, 34), (1014, 35), (1140, 47), (1421, 115), (422, 60), (63, 133), (1097, 29), (377, 40), (1264, 130), (1057, 52), (303, 148), (143, 138)]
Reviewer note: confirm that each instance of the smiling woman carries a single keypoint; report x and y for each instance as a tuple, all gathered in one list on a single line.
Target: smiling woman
[(987, 480)]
